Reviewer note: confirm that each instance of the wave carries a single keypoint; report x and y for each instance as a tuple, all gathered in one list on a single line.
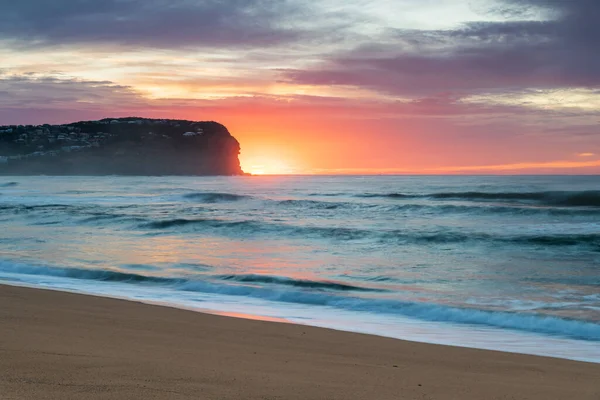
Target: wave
[(101, 218), (90, 213), (246, 227), (65, 214), (79, 192), (329, 194), (82, 273), (528, 322), (251, 226), (45, 209), (590, 240), (389, 195), (517, 210), (561, 240), (33, 207), (478, 209), (127, 277), (9, 184), (590, 198), (302, 283), (324, 205), (241, 226), (211, 197)]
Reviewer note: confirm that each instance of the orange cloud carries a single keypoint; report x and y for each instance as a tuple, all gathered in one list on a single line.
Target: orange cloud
[(500, 168)]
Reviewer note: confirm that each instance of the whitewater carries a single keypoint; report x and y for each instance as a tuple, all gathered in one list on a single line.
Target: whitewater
[(502, 263)]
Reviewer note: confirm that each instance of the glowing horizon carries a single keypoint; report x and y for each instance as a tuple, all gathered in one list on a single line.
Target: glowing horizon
[(339, 87), (507, 169)]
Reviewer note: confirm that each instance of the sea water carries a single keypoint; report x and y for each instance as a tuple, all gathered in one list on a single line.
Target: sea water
[(504, 263)]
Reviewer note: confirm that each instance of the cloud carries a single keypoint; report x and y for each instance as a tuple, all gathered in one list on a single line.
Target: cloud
[(485, 57), (586, 155), (33, 91), (149, 23), (37, 99), (548, 167), (42, 91)]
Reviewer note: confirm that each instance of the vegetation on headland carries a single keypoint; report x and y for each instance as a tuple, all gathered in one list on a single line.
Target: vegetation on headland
[(122, 146)]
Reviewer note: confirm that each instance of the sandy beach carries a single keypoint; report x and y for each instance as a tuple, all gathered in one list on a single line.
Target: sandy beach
[(56, 345)]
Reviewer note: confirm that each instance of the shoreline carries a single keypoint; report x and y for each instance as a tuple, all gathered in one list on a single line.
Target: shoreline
[(408, 336), (58, 344)]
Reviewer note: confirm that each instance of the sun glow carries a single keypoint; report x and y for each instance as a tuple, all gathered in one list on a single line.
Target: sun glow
[(267, 166)]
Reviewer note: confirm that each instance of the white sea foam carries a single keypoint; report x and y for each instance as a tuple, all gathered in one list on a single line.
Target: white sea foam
[(393, 326)]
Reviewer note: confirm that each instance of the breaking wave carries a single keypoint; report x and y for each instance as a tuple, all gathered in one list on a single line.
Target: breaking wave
[(304, 293), (82, 273), (302, 283)]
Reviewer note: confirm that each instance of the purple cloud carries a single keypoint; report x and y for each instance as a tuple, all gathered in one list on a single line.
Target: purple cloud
[(148, 23), (477, 57)]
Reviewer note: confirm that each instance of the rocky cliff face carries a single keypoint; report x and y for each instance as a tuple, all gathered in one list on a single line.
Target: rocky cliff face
[(126, 146)]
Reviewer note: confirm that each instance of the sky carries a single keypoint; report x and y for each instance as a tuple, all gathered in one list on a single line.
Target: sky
[(324, 87)]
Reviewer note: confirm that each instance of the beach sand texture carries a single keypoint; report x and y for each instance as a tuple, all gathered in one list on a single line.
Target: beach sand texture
[(56, 345)]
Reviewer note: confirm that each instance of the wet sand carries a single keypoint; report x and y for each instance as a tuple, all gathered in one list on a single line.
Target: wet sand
[(57, 345)]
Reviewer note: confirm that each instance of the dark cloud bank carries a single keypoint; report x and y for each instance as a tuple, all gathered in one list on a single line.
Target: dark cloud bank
[(147, 23)]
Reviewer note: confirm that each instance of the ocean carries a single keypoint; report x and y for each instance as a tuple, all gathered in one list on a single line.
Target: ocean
[(493, 262)]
